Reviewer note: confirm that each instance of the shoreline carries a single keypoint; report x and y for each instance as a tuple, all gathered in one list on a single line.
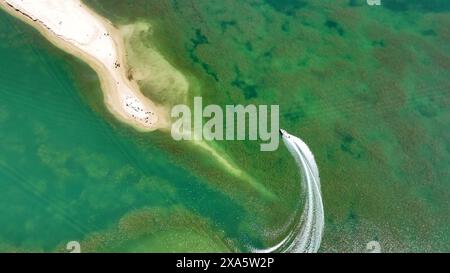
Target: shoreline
[(115, 104), (99, 45)]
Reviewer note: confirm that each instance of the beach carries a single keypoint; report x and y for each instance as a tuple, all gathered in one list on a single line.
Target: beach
[(73, 27)]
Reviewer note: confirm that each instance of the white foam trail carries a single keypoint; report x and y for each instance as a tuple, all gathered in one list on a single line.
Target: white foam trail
[(306, 235)]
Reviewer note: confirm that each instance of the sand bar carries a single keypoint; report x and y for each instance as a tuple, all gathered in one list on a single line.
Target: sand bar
[(76, 29)]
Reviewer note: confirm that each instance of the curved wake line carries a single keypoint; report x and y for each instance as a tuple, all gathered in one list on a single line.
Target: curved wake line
[(306, 235)]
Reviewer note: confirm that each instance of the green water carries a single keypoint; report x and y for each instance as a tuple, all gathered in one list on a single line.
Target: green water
[(366, 87), (66, 174)]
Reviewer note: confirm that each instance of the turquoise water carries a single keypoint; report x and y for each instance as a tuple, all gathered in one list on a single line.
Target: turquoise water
[(65, 173), (366, 87)]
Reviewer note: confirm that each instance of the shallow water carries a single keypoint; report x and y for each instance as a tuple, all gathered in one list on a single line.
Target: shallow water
[(66, 174), (365, 87)]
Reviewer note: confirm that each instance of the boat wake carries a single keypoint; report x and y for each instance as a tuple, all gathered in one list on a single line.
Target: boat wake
[(306, 235)]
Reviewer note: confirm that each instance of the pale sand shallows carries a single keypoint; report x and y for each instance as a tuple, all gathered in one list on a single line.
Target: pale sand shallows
[(76, 29), (73, 27)]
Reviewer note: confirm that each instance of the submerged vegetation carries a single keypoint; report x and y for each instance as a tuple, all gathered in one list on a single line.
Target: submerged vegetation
[(365, 87)]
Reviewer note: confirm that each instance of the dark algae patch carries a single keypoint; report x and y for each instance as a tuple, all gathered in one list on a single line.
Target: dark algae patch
[(367, 88)]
